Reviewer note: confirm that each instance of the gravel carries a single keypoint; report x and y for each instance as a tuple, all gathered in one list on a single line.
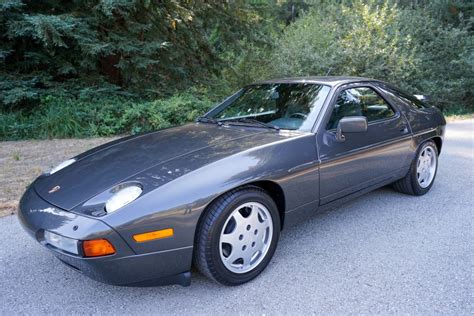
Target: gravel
[(22, 161), (382, 253)]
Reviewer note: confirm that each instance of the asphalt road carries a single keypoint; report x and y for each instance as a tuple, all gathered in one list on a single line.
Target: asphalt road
[(382, 253)]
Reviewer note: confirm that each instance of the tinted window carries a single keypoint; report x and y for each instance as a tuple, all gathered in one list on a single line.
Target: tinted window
[(359, 102), (406, 98), (411, 100), (285, 105)]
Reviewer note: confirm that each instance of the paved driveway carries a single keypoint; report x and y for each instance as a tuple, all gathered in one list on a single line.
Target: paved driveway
[(382, 253)]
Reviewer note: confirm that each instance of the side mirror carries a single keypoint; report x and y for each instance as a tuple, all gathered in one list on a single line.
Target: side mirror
[(350, 124)]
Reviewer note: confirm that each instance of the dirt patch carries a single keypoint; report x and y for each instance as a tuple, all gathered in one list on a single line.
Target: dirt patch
[(452, 118), (22, 161)]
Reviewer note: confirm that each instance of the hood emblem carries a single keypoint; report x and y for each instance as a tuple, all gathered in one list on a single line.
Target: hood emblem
[(55, 189)]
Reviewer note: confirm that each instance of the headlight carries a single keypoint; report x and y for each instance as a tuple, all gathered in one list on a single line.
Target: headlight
[(62, 165), (122, 198), (61, 242)]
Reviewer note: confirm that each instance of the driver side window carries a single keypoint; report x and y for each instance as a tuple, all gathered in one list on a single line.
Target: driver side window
[(361, 101)]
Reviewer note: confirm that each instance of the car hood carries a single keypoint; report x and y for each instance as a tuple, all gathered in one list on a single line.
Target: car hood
[(105, 166)]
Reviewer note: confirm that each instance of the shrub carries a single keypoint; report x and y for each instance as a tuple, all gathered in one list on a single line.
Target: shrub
[(59, 117), (404, 46)]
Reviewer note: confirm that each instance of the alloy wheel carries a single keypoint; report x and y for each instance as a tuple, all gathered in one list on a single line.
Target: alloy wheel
[(426, 166), (246, 237)]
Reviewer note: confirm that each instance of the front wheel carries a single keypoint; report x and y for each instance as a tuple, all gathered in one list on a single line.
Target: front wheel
[(422, 172), (237, 236)]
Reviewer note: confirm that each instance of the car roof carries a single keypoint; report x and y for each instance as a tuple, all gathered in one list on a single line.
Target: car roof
[(328, 80)]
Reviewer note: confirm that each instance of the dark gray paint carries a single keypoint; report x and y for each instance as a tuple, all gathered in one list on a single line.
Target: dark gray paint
[(363, 159), (352, 124), (183, 169)]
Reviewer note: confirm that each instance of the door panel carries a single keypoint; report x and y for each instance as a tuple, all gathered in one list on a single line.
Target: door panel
[(363, 159)]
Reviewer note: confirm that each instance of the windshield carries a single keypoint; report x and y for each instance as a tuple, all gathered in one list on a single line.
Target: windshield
[(293, 106)]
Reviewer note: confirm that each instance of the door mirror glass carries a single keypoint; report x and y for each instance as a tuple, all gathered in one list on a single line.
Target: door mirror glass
[(350, 124)]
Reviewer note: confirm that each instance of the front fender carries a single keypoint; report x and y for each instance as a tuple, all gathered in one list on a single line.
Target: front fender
[(178, 204)]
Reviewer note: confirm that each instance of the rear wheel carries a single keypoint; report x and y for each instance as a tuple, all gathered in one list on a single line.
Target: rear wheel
[(422, 172), (237, 236)]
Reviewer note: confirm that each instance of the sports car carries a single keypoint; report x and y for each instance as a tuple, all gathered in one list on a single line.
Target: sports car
[(217, 192)]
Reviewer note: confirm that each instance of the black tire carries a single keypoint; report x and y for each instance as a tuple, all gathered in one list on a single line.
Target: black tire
[(409, 184), (206, 248)]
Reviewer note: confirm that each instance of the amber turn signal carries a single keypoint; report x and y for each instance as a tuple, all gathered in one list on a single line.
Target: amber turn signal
[(157, 234), (97, 248)]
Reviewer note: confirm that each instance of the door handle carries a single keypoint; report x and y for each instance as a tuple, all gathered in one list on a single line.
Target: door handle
[(404, 129)]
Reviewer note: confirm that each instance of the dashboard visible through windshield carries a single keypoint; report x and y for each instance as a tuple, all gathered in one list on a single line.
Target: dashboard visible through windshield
[(292, 106)]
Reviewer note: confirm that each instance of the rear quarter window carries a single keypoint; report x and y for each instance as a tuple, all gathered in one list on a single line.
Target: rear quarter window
[(406, 98)]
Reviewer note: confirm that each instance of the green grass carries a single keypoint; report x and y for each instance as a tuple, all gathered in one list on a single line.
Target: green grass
[(59, 117), (456, 117), (62, 117), (458, 113)]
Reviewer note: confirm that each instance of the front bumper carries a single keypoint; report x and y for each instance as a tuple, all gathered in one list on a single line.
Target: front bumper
[(125, 267)]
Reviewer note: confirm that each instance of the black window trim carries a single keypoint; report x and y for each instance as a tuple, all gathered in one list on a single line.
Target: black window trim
[(401, 95), (352, 85)]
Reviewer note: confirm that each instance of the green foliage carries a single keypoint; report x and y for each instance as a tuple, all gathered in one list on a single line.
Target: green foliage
[(144, 47), (105, 67), (404, 46), (59, 117)]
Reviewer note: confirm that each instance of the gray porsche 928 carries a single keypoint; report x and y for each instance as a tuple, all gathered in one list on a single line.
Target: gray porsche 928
[(217, 192)]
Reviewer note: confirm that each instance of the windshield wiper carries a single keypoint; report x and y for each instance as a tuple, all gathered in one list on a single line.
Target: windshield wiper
[(205, 119), (253, 121)]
